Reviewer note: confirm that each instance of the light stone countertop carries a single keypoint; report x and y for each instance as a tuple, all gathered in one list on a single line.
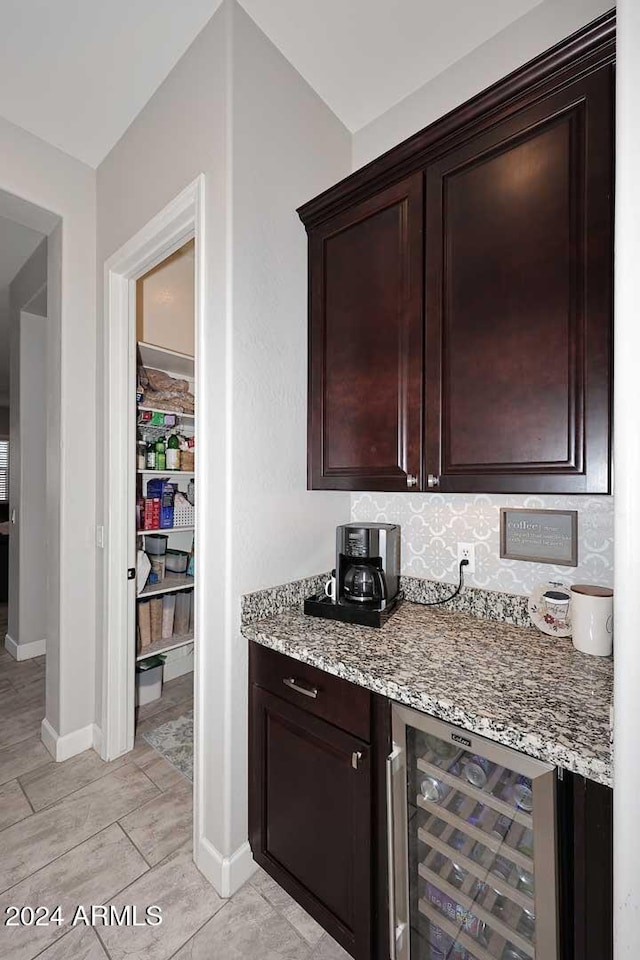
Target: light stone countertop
[(511, 684)]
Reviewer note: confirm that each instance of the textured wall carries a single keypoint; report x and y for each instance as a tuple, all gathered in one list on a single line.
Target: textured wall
[(234, 108), (549, 22), (433, 524)]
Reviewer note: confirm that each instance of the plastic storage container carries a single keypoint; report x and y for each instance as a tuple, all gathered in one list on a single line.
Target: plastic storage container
[(148, 681), (158, 567), (155, 607), (177, 561), (155, 544), (183, 609), (144, 625), (168, 614)]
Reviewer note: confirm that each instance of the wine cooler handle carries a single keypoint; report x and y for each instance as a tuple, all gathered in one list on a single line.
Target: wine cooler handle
[(391, 858)]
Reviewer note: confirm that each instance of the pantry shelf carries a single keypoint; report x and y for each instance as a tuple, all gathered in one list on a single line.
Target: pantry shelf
[(163, 646), (170, 584), (170, 413), (166, 473), (160, 358), (142, 533)]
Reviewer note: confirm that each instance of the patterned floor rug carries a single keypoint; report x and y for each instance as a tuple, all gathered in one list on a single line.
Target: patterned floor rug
[(174, 740)]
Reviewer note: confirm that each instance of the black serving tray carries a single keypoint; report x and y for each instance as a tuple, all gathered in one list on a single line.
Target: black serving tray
[(322, 606)]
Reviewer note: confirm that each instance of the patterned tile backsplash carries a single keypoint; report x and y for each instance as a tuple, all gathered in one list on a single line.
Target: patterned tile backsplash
[(433, 524)]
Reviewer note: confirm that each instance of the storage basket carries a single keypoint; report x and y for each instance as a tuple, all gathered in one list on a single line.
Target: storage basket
[(183, 513)]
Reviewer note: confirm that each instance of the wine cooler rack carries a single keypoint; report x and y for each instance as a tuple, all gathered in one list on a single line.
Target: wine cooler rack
[(471, 843)]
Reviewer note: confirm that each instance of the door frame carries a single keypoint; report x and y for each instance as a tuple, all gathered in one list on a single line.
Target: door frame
[(181, 220)]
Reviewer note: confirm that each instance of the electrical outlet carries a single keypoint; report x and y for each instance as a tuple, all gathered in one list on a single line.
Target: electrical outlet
[(467, 551)]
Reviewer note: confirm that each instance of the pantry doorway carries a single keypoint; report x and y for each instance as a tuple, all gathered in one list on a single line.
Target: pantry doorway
[(128, 419)]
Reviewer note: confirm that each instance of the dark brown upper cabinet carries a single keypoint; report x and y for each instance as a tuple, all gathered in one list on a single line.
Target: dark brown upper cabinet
[(366, 279), (518, 300), (461, 294)]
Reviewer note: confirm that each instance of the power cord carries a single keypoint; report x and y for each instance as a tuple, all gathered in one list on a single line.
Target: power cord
[(434, 603)]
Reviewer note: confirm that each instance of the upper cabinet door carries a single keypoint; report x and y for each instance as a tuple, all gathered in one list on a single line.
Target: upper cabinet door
[(366, 344), (519, 300)]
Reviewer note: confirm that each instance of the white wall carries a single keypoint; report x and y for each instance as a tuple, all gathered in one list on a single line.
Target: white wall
[(182, 132), (57, 184), (25, 286), (4, 345), (280, 530), (626, 845), (35, 551), (545, 25), (236, 110)]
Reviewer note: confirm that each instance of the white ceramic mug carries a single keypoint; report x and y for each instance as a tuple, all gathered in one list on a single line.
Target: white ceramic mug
[(592, 619), (330, 588)]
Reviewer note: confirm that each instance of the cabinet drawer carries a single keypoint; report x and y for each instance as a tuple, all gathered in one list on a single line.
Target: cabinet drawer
[(337, 701)]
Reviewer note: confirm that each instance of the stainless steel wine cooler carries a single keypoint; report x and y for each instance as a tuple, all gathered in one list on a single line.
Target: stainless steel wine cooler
[(472, 846)]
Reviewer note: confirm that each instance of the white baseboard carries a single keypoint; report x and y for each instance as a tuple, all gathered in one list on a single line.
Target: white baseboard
[(63, 747), (225, 874), (25, 651), (97, 739)]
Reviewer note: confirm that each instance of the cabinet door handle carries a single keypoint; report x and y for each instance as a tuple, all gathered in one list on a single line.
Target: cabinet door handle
[(391, 854), (305, 689), (356, 757), (411, 480), (433, 481)]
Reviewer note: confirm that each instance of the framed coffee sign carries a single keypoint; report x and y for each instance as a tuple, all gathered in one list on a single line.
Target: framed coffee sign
[(539, 536)]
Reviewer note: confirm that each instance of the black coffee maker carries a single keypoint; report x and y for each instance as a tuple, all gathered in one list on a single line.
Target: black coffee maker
[(367, 575), (367, 563)]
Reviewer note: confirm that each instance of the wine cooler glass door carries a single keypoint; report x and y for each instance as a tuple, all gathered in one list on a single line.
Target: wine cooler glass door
[(473, 865)]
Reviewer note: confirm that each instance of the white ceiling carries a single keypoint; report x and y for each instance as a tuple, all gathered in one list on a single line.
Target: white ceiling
[(364, 56), (77, 72)]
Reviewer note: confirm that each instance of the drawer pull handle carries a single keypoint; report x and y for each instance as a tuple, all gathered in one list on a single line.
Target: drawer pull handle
[(356, 757), (300, 687)]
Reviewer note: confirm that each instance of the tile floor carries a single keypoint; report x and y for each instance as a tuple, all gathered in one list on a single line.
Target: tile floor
[(85, 832)]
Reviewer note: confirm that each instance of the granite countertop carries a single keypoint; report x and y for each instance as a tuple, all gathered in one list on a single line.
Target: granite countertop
[(511, 684)]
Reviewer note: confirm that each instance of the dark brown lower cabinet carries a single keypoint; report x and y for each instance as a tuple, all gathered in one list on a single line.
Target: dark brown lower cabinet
[(311, 816), (317, 812), (587, 838)]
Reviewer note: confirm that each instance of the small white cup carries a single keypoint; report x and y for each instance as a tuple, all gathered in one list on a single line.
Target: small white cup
[(330, 588), (592, 619)]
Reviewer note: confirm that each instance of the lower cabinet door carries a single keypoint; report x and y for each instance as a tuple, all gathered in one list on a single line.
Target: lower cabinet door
[(589, 907), (310, 816)]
